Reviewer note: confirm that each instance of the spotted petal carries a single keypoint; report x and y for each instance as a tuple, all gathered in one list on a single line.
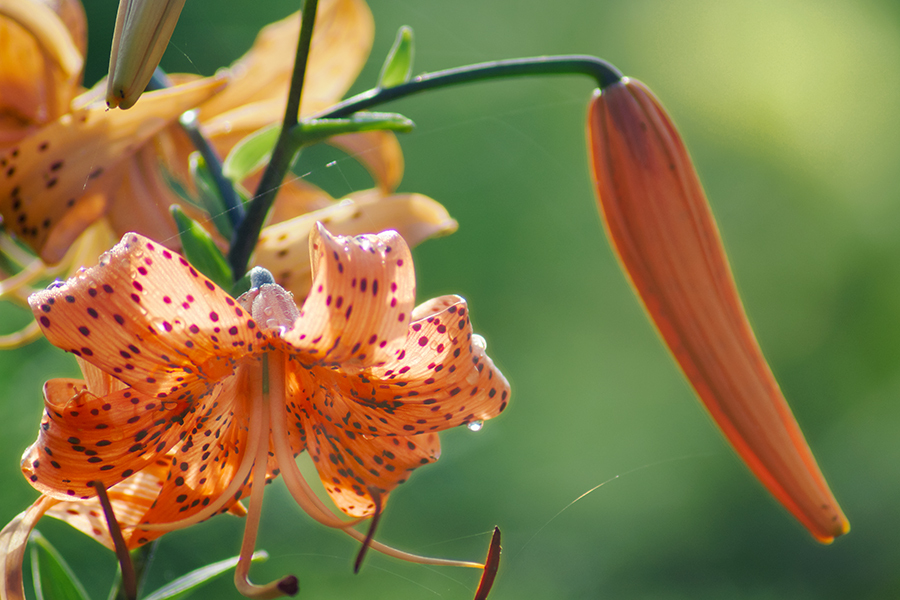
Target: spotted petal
[(150, 319), (440, 378), (130, 499), (85, 438), (52, 183), (284, 247), (353, 465), (361, 298)]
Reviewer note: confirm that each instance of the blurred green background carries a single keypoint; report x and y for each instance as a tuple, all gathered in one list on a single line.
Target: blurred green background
[(790, 110)]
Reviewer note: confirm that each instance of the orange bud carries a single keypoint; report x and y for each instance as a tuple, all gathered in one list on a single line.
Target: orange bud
[(663, 231)]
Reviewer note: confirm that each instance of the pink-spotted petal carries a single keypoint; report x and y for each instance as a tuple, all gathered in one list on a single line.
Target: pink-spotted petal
[(358, 308), (440, 378), (147, 317), (284, 247), (349, 464), (52, 183), (208, 458), (85, 438), (130, 499)]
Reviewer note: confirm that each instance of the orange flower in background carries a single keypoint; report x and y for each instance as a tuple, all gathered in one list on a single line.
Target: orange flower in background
[(227, 392), (664, 234), (73, 163)]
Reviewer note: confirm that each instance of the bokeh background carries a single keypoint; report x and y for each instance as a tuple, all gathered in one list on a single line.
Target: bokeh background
[(790, 110)]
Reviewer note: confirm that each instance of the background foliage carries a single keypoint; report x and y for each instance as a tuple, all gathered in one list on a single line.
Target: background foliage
[(790, 110)]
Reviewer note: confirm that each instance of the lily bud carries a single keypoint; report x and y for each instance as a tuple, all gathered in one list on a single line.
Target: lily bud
[(663, 231), (143, 29)]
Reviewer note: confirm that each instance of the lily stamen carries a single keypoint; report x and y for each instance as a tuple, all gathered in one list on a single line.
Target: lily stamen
[(287, 585)]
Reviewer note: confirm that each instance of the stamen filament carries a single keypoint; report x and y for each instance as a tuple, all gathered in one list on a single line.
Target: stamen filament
[(287, 585)]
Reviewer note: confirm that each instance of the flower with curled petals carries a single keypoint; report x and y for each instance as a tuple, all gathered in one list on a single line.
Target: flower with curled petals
[(227, 392)]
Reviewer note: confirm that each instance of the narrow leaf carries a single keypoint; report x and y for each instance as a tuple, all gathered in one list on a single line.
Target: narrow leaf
[(398, 64), (53, 578), (200, 249), (183, 586), (315, 130), (209, 194), (251, 153)]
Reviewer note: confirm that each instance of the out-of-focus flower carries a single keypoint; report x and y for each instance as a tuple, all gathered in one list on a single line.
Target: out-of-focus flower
[(663, 231), (227, 392), (73, 163)]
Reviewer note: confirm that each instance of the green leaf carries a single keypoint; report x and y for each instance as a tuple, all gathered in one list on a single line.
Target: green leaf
[(200, 249), (188, 584), (251, 153), (209, 194), (53, 578), (315, 130), (398, 64)]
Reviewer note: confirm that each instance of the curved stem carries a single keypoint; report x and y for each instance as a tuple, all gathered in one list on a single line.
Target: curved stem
[(245, 237), (574, 64)]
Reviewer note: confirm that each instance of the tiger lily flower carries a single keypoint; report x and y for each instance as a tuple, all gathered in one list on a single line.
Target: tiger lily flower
[(227, 392), (664, 234)]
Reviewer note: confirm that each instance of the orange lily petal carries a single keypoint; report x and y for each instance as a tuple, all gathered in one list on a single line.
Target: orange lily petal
[(208, 458), (349, 464), (440, 378), (341, 42), (49, 182), (360, 302), (150, 319), (149, 198), (13, 540), (663, 231), (130, 499), (379, 152), (284, 247), (41, 48), (85, 438)]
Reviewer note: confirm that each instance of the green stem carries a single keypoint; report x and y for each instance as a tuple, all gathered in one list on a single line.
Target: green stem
[(189, 124), (247, 232), (604, 73)]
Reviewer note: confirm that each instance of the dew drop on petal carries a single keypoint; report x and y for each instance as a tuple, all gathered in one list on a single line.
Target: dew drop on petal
[(104, 259), (479, 341), (475, 425)]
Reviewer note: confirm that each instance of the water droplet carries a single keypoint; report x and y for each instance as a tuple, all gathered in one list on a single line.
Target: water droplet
[(479, 341), (104, 259), (475, 425), (331, 164)]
